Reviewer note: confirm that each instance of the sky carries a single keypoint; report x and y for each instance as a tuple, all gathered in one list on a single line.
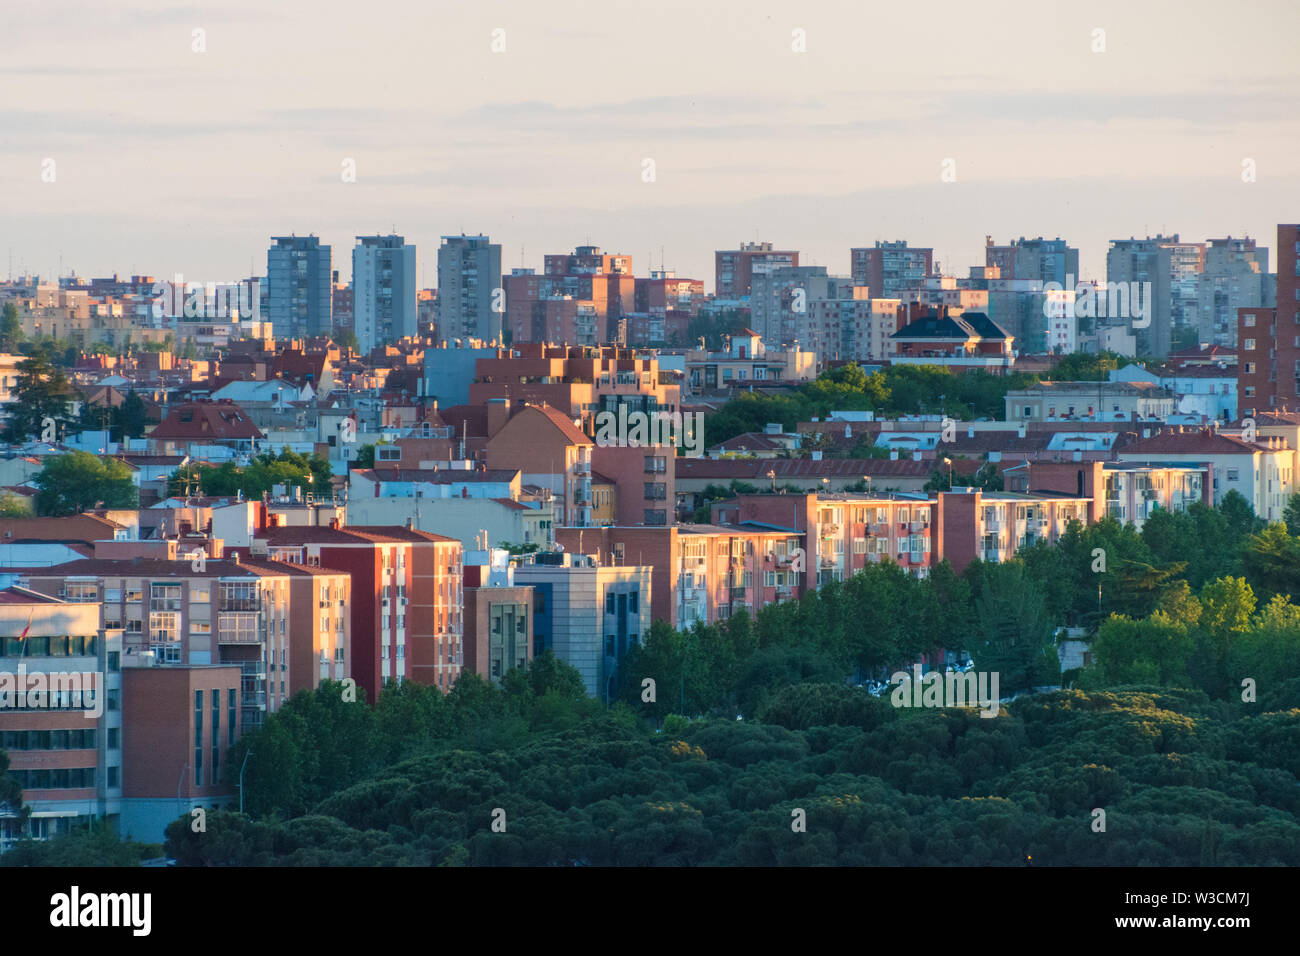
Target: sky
[(662, 130)]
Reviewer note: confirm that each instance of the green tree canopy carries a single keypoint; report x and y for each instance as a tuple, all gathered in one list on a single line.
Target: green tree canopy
[(78, 481)]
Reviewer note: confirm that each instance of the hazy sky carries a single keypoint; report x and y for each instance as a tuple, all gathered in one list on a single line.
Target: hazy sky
[(168, 160)]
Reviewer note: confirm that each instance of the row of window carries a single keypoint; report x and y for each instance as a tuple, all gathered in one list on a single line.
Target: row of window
[(56, 739), (61, 646), (69, 778)]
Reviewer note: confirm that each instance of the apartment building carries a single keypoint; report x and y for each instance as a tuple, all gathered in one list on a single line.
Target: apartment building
[(580, 382), (1125, 491), (993, 526), (843, 532), (1097, 401), (701, 573), (551, 452), (1172, 267), (665, 292), (1263, 472), (747, 361), (590, 615), (179, 724), (1235, 277), (383, 290), (405, 600), (1268, 340), (300, 299), (471, 298), (778, 299), (890, 268), (190, 612), (579, 298), (735, 269), (60, 713), (1041, 260), (498, 615), (848, 329), (943, 337)]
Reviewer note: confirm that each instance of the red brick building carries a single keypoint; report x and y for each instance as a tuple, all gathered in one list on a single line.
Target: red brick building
[(1268, 340)]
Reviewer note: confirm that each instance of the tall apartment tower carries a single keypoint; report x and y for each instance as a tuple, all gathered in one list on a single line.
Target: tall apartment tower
[(1172, 267), (299, 292), (469, 277), (1235, 277), (889, 268), (734, 269), (383, 290), (1268, 339), (1042, 260)]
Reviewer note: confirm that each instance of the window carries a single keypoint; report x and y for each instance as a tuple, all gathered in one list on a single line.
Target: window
[(165, 597), (164, 627), (1234, 474), (230, 717), (1249, 320), (82, 592), (216, 734), (198, 738), (1249, 345)]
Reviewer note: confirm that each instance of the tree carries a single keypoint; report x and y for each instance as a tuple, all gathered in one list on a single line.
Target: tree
[(11, 328), (1012, 634), (365, 457), (11, 792), (41, 400), (14, 506), (1272, 561), (1291, 516), (77, 481)]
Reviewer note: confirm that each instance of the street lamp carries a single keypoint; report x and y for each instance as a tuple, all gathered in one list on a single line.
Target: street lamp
[(248, 754), (866, 479), (948, 462), (771, 473)]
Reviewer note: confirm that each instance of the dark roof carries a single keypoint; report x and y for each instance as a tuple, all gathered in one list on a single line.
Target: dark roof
[(441, 476), (207, 421), (800, 468), (964, 326), (1200, 442), (145, 568)]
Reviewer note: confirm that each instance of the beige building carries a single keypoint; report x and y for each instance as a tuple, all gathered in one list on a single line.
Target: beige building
[(1100, 401), (1263, 472)]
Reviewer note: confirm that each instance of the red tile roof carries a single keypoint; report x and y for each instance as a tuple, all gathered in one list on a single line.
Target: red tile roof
[(206, 421)]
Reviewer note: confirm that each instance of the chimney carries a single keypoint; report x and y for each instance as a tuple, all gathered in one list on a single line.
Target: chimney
[(498, 413)]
